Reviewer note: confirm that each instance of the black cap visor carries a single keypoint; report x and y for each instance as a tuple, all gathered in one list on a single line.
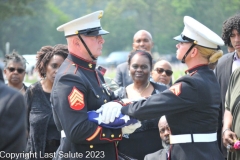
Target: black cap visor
[(93, 32), (182, 38)]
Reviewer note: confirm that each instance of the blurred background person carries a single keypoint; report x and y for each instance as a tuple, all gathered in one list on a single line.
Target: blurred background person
[(43, 134), (14, 70), (231, 121), (162, 72), (145, 139), (13, 121), (227, 64), (164, 132), (1, 75), (142, 40)]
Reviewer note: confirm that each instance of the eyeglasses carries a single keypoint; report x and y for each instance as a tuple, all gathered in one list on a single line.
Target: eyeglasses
[(161, 70), (19, 70)]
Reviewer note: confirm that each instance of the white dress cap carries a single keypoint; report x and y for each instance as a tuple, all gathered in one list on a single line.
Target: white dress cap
[(88, 25), (195, 31)]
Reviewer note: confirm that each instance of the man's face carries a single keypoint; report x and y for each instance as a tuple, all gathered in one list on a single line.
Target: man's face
[(164, 131), (142, 41), (95, 44), (235, 40)]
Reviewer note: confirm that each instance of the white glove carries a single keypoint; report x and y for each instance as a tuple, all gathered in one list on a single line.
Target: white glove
[(131, 128), (110, 111)]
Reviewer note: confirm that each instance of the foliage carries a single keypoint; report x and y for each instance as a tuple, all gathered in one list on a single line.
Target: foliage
[(28, 25)]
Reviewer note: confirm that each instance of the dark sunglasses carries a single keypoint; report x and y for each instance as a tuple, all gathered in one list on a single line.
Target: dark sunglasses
[(161, 70), (19, 70)]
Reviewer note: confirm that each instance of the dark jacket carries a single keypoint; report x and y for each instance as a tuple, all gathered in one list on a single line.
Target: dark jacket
[(123, 78), (78, 88), (191, 106), (40, 119), (13, 121)]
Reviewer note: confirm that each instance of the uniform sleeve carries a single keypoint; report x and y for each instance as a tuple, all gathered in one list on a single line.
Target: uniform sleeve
[(73, 116), (119, 77), (180, 97), (13, 124)]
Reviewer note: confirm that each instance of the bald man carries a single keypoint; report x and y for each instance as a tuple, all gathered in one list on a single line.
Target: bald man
[(164, 131), (142, 40)]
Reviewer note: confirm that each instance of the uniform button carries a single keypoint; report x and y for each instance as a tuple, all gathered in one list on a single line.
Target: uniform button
[(103, 91), (90, 65), (103, 135), (112, 135), (105, 101), (120, 135), (97, 96), (91, 146), (74, 64)]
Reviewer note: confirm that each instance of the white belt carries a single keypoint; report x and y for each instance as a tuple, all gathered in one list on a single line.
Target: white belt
[(187, 138), (63, 134)]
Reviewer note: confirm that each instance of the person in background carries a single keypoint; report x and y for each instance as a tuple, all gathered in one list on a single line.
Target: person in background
[(43, 134), (1, 75), (231, 120), (165, 132), (227, 64), (162, 72), (13, 121), (14, 70), (142, 40), (134, 145)]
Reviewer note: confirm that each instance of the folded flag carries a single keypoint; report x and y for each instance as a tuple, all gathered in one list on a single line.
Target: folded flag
[(121, 121)]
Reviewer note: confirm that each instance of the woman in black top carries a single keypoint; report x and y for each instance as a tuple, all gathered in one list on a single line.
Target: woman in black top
[(145, 139), (43, 134)]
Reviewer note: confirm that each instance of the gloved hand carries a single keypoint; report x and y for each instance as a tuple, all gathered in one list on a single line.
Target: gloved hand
[(110, 111), (131, 128)]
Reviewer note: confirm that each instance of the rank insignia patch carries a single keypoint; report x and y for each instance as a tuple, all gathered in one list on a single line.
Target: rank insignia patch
[(76, 99), (176, 89)]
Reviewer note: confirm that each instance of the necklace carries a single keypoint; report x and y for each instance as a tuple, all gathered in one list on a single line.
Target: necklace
[(144, 88), (21, 88)]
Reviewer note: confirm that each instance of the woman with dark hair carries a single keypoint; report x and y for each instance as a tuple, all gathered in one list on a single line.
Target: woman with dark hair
[(134, 145), (14, 70), (43, 134)]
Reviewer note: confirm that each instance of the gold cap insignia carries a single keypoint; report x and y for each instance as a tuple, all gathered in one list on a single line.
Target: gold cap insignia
[(90, 65), (100, 15)]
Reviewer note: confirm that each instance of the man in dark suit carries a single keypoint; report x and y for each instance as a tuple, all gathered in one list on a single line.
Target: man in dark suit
[(227, 64), (13, 122), (142, 40), (164, 131)]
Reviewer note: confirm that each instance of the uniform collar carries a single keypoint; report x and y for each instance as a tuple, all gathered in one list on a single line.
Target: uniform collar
[(90, 65), (195, 68)]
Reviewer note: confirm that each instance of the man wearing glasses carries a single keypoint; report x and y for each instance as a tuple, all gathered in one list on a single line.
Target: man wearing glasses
[(162, 72)]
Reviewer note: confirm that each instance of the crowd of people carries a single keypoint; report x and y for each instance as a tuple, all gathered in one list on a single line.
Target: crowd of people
[(194, 118)]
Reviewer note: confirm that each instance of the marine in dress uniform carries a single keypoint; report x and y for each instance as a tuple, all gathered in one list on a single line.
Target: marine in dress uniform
[(191, 105), (78, 88)]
